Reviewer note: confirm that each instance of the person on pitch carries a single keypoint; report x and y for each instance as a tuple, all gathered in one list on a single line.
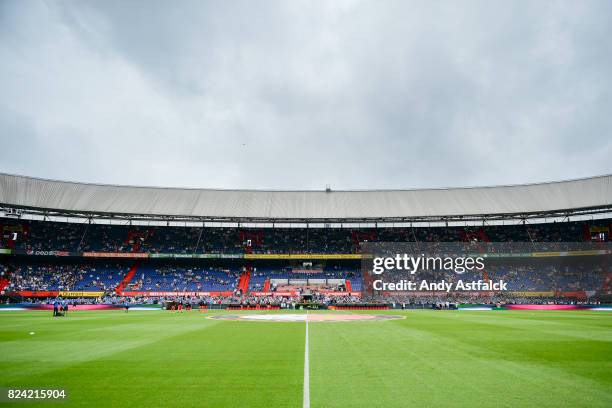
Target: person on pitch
[(56, 305)]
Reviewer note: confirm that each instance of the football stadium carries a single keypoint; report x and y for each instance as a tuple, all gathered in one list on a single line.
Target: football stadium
[(306, 204), (139, 296)]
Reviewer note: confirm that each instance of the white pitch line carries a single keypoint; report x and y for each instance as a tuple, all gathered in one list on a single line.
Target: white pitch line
[(306, 403)]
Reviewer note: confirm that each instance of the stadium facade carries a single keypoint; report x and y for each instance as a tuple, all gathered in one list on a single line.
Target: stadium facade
[(92, 240)]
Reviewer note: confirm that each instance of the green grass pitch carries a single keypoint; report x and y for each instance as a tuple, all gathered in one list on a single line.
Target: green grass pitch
[(430, 359)]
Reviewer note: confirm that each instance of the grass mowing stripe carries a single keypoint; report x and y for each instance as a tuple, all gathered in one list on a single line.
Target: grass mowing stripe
[(306, 401)]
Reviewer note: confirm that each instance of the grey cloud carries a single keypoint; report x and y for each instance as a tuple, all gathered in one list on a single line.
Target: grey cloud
[(272, 94)]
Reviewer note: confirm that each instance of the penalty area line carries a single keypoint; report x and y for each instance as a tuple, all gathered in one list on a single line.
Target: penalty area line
[(306, 402)]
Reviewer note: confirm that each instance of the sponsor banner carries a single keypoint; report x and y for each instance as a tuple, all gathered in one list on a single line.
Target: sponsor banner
[(32, 306), (72, 308), (168, 256), (317, 270), (546, 254), (302, 256), (142, 308), (541, 254), (160, 255), (575, 294), (328, 293), (534, 307), (177, 293), (542, 307), (603, 308), (571, 253), (265, 256), (206, 256), (32, 252), (261, 293), (589, 253), (431, 292), (533, 294), (219, 256), (54, 293), (596, 228), (274, 293), (357, 294), (5, 251), (28, 293), (132, 293), (502, 255), (145, 306), (10, 306), (80, 294), (158, 294), (116, 254), (13, 228), (471, 307), (48, 253)]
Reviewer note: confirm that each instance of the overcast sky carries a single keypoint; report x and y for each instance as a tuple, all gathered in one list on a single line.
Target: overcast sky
[(299, 94)]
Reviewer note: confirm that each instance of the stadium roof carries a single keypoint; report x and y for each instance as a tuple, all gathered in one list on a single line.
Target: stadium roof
[(588, 195)]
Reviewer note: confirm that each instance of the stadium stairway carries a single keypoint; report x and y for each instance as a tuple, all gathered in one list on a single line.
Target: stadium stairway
[(605, 287), (349, 287), (3, 283), (127, 279), (266, 287), (243, 282)]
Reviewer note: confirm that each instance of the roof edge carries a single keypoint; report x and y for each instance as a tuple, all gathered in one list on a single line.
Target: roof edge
[(307, 191)]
